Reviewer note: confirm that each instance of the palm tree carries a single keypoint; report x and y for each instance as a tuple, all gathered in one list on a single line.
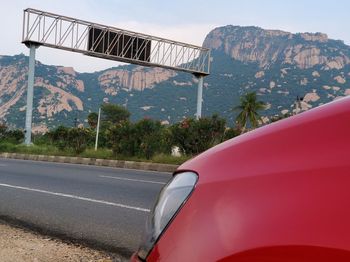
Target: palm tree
[(249, 107)]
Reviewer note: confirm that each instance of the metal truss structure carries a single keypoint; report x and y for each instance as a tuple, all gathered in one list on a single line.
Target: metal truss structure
[(42, 28), (62, 32)]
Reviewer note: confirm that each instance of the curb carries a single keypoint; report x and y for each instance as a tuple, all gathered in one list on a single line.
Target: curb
[(95, 162)]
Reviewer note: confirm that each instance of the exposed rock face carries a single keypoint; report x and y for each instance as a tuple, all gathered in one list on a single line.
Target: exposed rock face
[(40, 129), (265, 47), (308, 57), (12, 85), (318, 37), (66, 70), (313, 97), (315, 74), (340, 80), (259, 74), (62, 91), (284, 111), (64, 100), (111, 81), (337, 63), (304, 81), (188, 83)]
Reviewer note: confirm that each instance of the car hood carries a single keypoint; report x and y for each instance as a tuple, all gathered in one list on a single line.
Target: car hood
[(310, 140)]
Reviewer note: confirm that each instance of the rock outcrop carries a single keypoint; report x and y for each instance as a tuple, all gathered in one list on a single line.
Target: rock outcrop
[(266, 47), (111, 81)]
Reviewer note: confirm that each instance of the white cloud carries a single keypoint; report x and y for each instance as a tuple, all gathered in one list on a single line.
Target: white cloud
[(191, 33)]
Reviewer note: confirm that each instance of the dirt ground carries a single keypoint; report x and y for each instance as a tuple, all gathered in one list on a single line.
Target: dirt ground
[(17, 245)]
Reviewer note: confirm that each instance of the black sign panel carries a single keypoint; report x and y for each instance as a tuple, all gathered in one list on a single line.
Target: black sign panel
[(119, 44)]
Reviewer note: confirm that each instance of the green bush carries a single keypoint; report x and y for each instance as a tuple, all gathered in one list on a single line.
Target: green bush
[(144, 138), (231, 133), (59, 137), (7, 147), (92, 120), (148, 134), (41, 139), (78, 139), (112, 114), (3, 130), (14, 136), (195, 136), (121, 138)]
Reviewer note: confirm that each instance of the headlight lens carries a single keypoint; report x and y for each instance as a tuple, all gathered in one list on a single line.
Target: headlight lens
[(169, 202)]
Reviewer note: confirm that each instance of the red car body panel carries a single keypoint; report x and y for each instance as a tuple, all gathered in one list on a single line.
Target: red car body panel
[(279, 193)]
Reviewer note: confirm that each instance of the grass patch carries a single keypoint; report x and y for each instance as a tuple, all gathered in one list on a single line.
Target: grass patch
[(89, 153), (38, 150), (99, 153), (7, 147), (169, 159)]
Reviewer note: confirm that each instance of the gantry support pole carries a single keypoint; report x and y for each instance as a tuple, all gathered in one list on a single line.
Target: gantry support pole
[(199, 96), (98, 128), (30, 94)]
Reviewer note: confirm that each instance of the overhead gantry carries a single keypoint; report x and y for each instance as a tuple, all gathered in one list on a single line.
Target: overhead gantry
[(42, 28)]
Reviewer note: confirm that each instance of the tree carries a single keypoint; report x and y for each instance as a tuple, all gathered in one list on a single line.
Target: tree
[(114, 114), (148, 134), (14, 136), (59, 137), (195, 136), (249, 107), (3, 131), (75, 138), (92, 120), (144, 138), (231, 133), (122, 138), (78, 139)]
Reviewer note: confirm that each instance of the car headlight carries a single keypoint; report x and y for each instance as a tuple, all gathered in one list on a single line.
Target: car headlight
[(169, 202)]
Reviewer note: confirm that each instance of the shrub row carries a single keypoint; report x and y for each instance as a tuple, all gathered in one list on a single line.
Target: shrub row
[(143, 139)]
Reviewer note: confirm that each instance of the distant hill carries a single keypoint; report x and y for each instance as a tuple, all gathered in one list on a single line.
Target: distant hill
[(278, 65)]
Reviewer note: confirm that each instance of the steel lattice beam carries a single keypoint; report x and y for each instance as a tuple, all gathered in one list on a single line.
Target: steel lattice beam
[(62, 32)]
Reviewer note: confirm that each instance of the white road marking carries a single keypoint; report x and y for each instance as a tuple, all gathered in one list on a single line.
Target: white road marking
[(76, 197), (135, 180), (3, 165)]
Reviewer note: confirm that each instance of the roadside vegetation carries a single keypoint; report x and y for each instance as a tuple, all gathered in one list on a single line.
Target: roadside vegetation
[(144, 140)]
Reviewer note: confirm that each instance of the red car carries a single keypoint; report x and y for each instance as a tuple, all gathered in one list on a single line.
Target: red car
[(279, 193)]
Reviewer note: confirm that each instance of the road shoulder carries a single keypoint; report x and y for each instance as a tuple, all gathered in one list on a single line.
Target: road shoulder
[(17, 244), (93, 161)]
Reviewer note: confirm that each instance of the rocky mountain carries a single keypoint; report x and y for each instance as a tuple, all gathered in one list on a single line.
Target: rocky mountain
[(279, 66), (268, 47)]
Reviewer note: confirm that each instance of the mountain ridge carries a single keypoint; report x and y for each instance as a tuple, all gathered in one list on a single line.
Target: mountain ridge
[(278, 65), (254, 44)]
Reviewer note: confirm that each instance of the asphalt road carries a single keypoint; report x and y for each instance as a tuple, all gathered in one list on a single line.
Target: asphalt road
[(102, 207)]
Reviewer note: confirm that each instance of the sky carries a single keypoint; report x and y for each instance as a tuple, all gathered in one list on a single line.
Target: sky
[(183, 20)]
